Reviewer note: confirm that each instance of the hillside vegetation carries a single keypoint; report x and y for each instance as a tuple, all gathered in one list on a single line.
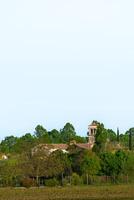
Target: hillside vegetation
[(28, 164)]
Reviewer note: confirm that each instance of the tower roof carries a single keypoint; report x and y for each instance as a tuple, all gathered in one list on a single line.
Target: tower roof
[(94, 123)]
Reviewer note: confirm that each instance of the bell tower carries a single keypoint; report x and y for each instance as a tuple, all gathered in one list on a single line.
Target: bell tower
[(92, 128)]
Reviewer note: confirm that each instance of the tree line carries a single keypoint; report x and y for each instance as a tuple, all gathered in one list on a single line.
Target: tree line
[(111, 156), (12, 144)]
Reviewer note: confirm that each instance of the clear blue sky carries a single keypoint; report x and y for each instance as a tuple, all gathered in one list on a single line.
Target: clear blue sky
[(66, 61)]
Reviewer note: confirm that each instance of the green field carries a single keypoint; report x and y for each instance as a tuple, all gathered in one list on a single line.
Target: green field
[(116, 192)]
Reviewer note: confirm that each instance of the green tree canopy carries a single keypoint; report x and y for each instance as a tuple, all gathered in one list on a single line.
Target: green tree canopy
[(40, 131), (57, 163), (42, 135), (55, 136), (8, 143), (25, 143), (90, 164), (100, 139), (68, 133), (112, 164)]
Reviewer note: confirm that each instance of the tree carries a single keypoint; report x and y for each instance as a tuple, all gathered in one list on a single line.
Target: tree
[(68, 133), (90, 165), (124, 139), (104, 139), (80, 139), (25, 143), (76, 155), (129, 165), (40, 163), (130, 139), (7, 145), (42, 134), (108, 164), (118, 135), (100, 139), (40, 131), (111, 135), (127, 139), (57, 164), (33, 163), (9, 171), (55, 136), (121, 158), (112, 164)]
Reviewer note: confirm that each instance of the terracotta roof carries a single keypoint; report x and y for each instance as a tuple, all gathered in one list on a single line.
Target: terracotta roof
[(65, 146), (51, 147), (84, 145), (60, 146), (93, 124)]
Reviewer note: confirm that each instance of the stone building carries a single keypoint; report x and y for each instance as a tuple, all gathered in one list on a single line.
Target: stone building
[(49, 148), (92, 128)]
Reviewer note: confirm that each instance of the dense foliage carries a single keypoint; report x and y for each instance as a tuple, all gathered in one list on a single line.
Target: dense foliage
[(13, 144), (111, 156)]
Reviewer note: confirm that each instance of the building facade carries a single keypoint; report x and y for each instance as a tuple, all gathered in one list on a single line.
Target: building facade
[(49, 148), (92, 128)]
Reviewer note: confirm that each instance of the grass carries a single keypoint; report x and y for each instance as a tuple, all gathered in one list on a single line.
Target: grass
[(116, 192)]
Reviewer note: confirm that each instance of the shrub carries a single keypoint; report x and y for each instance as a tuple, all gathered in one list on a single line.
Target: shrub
[(51, 182), (66, 181), (27, 182), (76, 179)]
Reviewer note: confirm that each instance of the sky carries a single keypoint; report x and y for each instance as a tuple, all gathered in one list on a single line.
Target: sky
[(66, 61)]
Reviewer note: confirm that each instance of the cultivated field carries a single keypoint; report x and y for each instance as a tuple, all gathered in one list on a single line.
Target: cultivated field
[(117, 192)]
